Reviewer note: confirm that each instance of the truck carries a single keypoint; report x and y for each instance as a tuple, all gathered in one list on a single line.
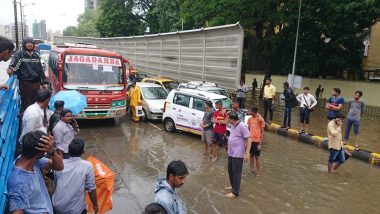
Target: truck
[(98, 74)]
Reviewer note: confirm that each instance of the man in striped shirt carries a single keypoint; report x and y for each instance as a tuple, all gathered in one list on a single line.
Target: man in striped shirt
[(27, 66)]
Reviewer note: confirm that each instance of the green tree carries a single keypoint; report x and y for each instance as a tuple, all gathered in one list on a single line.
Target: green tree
[(116, 18), (271, 30), (160, 15), (87, 23), (70, 31)]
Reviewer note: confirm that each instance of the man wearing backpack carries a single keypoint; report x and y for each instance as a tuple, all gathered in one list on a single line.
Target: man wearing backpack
[(308, 102), (290, 102)]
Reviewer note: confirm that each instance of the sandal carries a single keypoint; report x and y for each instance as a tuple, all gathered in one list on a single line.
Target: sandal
[(357, 148), (230, 195), (228, 188)]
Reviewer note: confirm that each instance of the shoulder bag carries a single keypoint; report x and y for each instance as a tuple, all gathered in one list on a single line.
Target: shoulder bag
[(310, 110)]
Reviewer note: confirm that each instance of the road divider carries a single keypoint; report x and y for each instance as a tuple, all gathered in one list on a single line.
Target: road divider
[(322, 142)]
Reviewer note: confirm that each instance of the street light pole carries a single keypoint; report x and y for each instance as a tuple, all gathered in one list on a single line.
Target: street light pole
[(22, 24), (16, 26), (296, 45)]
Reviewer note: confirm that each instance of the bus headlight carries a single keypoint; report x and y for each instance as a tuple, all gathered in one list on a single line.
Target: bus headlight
[(118, 103)]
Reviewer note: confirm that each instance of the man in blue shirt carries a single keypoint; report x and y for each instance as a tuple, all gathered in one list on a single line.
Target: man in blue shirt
[(26, 186), (165, 192), (334, 104)]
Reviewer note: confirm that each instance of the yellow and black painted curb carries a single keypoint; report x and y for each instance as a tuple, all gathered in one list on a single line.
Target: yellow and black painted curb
[(322, 142)]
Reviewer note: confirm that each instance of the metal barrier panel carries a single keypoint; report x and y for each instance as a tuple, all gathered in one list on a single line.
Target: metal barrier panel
[(209, 54), (9, 124)]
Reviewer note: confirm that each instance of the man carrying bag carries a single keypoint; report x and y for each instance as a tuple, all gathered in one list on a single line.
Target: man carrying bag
[(307, 104)]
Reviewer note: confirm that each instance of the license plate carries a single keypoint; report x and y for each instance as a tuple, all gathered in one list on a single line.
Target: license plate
[(95, 117)]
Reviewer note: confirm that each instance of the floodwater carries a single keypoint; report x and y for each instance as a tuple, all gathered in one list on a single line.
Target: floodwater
[(293, 179), (369, 126)]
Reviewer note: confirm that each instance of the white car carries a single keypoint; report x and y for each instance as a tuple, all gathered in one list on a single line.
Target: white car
[(209, 87), (153, 99), (184, 109)]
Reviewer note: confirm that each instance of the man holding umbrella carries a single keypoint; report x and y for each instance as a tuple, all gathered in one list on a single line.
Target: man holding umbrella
[(135, 95)]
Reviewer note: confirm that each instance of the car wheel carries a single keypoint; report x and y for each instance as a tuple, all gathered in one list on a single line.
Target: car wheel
[(169, 125), (145, 117)]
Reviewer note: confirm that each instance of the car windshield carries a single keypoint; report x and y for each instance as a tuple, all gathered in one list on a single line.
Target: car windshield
[(221, 92), (93, 73), (226, 102), (170, 85), (154, 93)]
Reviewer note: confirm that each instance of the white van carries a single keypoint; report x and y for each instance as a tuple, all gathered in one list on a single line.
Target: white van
[(209, 87), (184, 109)]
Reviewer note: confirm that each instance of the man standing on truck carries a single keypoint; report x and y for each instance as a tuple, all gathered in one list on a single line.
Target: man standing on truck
[(135, 95), (27, 66)]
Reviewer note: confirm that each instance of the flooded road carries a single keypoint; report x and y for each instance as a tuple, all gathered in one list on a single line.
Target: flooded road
[(293, 179)]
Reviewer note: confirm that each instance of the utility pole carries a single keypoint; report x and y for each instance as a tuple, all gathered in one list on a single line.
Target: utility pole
[(16, 26), (296, 45), (21, 20)]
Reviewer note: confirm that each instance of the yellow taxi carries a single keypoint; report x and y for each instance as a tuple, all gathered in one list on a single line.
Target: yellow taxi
[(167, 83)]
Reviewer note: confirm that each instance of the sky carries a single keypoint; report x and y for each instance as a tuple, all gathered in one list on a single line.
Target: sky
[(57, 13)]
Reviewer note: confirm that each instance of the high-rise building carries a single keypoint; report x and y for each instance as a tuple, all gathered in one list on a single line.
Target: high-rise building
[(91, 4), (43, 30), (10, 31), (39, 30), (2, 30), (36, 30)]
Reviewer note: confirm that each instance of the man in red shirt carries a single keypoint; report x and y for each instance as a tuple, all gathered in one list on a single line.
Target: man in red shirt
[(256, 125), (220, 121)]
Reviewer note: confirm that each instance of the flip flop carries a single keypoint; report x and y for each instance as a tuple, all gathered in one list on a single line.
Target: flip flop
[(230, 195), (228, 188), (357, 148)]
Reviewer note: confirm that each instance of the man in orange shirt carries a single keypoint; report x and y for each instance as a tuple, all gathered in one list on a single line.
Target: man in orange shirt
[(256, 125)]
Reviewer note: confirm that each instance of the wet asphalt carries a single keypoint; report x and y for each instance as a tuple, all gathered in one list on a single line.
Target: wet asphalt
[(294, 176)]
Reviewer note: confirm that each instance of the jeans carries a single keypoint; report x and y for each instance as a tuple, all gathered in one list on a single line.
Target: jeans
[(241, 101), (349, 123), (268, 106), (287, 116), (337, 156), (235, 168)]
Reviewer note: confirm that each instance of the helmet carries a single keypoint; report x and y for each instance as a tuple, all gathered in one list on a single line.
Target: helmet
[(26, 40)]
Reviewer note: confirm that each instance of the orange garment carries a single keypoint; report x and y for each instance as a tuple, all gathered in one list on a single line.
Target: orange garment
[(104, 179), (255, 126)]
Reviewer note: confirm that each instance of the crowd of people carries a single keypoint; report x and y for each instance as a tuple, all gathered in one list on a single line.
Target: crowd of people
[(47, 140), (47, 144)]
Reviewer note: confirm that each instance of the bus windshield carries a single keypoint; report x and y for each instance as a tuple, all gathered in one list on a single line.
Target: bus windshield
[(94, 73)]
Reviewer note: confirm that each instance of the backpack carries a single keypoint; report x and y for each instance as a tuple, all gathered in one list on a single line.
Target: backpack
[(293, 99)]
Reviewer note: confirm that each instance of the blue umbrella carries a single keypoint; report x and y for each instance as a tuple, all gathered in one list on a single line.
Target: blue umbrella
[(74, 100)]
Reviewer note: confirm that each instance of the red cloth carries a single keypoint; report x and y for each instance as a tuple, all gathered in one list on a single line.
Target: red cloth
[(220, 115)]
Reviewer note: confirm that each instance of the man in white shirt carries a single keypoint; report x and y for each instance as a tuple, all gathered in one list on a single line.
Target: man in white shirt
[(73, 181), (35, 116), (307, 103), (241, 91)]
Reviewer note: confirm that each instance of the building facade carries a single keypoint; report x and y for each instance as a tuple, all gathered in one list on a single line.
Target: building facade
[(91, 4), (39, 30), (9, 31)]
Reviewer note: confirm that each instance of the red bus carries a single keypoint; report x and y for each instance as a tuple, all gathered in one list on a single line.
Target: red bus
[(98, 74)]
